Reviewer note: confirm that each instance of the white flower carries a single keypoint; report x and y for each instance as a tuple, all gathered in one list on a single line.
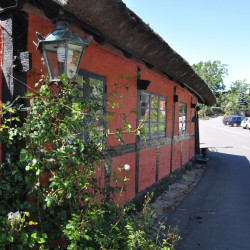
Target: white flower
[(14, 218), (126, 167)]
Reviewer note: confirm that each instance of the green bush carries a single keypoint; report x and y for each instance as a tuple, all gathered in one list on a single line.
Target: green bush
[(49, 175)]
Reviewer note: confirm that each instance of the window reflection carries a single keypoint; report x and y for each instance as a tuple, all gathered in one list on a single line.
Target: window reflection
[(153, 114)]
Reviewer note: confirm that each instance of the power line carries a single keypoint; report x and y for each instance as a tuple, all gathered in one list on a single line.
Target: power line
[(23, 83)]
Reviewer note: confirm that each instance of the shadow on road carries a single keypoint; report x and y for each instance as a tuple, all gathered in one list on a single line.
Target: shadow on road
[(215, 149), (216, 214)]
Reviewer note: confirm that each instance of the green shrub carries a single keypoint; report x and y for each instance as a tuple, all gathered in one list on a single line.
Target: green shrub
[(49, 175)]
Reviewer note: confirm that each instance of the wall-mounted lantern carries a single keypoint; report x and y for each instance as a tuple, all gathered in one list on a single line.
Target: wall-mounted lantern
[(62, 51)]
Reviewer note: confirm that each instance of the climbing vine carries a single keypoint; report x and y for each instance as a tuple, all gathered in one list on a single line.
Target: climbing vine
[(52, 179)]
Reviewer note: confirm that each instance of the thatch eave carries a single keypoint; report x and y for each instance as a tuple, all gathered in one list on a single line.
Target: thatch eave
[(112, 21)]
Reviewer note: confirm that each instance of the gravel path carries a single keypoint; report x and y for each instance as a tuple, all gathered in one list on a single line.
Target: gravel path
[(174, 193)]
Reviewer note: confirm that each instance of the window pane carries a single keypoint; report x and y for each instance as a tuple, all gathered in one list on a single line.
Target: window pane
[(162, 129), (184, 126), (96, 88), (154, 115), (154, 102), (144, 100), (145, 114), (145, 129), (162, 116), (162, 104), (144, 104), (180, 127), (97, 133), (182, 118), (154, 129), (184, 108), (180, 110)]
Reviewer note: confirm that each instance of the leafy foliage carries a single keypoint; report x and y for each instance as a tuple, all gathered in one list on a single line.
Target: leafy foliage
[(236, 99), (51, 174), (212, 73), (242, 98)]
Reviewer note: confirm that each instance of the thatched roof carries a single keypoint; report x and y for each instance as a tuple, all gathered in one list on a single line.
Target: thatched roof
[(112, 21)]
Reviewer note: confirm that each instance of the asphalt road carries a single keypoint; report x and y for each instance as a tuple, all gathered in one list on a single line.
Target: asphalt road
[(216, 214), (224, 139)]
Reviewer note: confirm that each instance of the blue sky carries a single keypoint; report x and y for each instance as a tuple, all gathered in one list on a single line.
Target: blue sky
[(203, 30)]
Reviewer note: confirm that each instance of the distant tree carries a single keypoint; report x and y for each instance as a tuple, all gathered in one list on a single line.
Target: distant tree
[(236, 100), (213, 73), (236, 85), (229, 102), (242, 101)]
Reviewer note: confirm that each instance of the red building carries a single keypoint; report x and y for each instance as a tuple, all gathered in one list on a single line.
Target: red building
[(123, 45)]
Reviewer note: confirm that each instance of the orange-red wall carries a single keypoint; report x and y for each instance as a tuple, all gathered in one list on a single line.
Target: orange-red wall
[(164, 161), (176, 156), (147, 168), (112, 64), (117, 162)]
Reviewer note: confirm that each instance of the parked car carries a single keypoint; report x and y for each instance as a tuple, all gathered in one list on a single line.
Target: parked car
[(235, 120), (248, 123), (245, 122), (225, 119)]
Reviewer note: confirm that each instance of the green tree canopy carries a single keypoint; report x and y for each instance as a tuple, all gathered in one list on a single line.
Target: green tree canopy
[(236, 98), (212, 73), (238, 84)]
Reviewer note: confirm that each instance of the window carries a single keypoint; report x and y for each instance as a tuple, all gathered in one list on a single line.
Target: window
[(182, 117), (153, 114), (95, 90)]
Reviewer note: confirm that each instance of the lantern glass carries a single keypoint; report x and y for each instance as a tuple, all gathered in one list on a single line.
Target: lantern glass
[(74, 55), (62, 58), (54, 55)]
